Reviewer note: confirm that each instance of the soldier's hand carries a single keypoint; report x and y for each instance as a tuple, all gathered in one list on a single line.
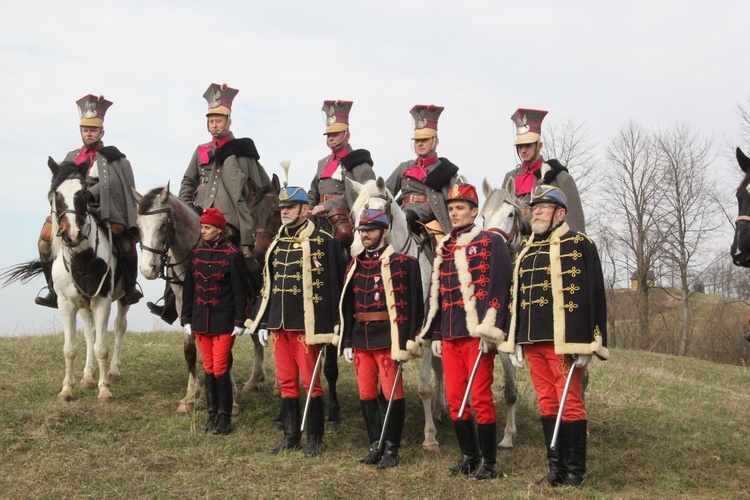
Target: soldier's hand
[(411, 219), (349, 354), (437, 348), (187, 329), (263, 337), (517, 358), (317, 209), (582, 360), (486, 345), (238, 330)]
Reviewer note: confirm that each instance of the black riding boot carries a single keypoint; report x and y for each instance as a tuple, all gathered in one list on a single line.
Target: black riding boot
[(129, 261), (573, 449), (374, 426), (393, 430), (556, 474), (487, 443), (211, 402), (466, 432), (168, 311), (290, 421), (50, 300), (224, 389), (315, 426)]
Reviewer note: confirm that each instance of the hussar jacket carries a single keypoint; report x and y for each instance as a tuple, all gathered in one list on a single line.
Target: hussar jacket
[(558, 294)]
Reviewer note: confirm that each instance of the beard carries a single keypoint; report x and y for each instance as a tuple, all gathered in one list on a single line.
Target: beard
[(540, 226)]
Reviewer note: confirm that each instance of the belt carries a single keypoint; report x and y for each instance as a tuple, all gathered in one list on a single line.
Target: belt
[(372, 316), (413, 198), (326, 197)]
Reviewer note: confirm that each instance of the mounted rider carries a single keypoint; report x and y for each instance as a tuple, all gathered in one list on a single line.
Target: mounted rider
[(219, 175), (423, 183), (534, 170), (381, 311), (298, 304), (329, 193), (110, 179)]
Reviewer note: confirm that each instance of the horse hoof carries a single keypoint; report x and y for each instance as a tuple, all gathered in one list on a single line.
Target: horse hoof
[(235, 409), (64, 398), (114, 377), (506, 444), (333, 425), (88, 384), (184, 407), (251, 385), (432, 448)]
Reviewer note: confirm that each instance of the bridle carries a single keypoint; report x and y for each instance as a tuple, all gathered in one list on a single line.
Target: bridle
[(264, 230), (163, 252), (516, 231)]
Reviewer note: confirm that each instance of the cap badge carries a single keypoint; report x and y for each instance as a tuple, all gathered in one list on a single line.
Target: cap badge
[(522, 126), (421, 121), (330, 118), (215, 99), (455, 190), (90, 111)]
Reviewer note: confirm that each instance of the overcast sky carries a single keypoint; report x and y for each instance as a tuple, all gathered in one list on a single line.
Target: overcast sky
[(600, 63)]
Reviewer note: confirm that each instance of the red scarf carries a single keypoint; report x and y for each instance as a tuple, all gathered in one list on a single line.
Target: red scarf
[(87, 156), (418, 171), (525, 181), (205, 149), (333, 163)]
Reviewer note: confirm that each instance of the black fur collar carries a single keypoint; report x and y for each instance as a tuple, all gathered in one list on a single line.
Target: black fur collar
[(356, 158), (111, 153), (441, 176), (244, 147), (555, 168)]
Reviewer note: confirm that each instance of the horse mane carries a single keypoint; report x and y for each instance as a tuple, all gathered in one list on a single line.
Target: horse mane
[(745, 182), (149, 200), (262, 191), (67, 170)]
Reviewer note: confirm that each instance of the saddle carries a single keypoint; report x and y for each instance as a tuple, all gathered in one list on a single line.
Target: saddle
[(341, 225)]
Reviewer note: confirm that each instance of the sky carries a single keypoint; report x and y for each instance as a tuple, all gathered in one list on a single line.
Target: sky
[(602, 64)]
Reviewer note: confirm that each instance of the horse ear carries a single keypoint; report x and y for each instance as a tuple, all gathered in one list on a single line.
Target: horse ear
[(252, 186), (380, 184), (54, 167), (164, 195), (136, 195), (275, 183), (486, 188), (743, 160), (510, 186)]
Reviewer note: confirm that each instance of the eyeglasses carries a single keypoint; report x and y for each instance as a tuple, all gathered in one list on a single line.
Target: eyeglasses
[(543, 207)]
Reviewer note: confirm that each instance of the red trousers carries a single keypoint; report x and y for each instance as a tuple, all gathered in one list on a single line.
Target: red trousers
[(549, 372), (294, 358), (215, 351), (368, 365), (459, 357)]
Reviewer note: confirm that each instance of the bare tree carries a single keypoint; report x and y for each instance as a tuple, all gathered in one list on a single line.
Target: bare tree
[(685, 158), (743, 110), (633, 192)]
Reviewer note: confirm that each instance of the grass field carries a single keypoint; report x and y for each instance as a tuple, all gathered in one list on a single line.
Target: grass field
[(659, 427)]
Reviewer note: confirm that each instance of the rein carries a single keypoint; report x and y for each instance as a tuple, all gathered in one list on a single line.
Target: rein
[(739, 218), (263, 230), (71, 251), (163, 253)]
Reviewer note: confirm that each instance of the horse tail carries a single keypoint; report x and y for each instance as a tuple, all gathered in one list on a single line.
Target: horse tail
[(23, 272)]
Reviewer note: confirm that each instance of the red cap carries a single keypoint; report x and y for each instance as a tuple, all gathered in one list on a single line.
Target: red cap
[(463, 192), (214, 217)]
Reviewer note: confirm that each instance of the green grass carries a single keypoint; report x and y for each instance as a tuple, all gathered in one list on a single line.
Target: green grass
[(659, 427)]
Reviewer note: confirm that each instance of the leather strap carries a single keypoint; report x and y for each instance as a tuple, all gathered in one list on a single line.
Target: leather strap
[(372, 316)]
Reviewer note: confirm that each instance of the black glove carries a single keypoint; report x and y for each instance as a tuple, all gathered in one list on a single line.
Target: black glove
[(198, 210), (411, 220)]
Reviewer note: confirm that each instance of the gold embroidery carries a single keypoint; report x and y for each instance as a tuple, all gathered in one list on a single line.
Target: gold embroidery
[(570, 306), (294, 290), (573, 271), (316, 298), (317, 283), (572, 289)]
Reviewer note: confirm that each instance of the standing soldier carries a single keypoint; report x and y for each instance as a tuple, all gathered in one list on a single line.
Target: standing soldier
[(559, 320), (110, 181), (381, 311), (534, 170), (214, 309), (298, 304), (329, 193), (424, 183), (467, 309), (219, 175)]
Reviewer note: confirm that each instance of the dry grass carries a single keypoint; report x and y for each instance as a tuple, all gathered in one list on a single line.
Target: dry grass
[(660, 427)]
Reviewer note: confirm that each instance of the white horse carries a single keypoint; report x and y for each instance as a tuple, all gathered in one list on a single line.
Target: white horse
[(376, 195), (86, 280)]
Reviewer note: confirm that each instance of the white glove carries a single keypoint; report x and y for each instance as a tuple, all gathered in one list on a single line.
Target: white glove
[(486, 345), (238, 330), (349, 354), (187, 329), (517, 358), (263, 337), (582, 360), (437, 348)]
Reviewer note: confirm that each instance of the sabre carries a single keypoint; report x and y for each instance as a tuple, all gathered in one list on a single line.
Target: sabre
[(390, 402), (310, 389), (468, 386), (553, 445)]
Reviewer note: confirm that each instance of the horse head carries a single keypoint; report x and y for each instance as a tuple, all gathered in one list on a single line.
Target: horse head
[(502, 213), (374, 194), (264, 209), (741, 244), (157, 230), (70, 197)]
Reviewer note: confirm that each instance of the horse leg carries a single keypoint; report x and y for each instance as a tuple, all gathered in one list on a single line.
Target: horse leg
[(331, 371), (425, 394), (120, 326), (259, 370), (511, 398), (584, 381), (187, 404), (89, 334), (439, 404), (68, 315), (99, 312)]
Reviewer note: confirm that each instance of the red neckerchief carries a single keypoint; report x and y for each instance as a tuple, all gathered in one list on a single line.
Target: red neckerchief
[(525, 181), (87, 156), (333, 163), (418, 171), (205, 149)]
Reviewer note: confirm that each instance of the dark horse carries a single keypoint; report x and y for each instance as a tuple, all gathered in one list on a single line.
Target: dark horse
[(741, 244)]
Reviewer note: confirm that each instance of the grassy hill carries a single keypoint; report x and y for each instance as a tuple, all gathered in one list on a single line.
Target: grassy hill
[(660, 427)]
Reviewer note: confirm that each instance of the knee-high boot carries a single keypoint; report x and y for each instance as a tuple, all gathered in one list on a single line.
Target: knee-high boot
[(573, 436), (211, 402), (488, 446), (394, 428), (168, 311), (224, 418), (556, 474), (291, 421), (49, 300), (466, 432), (374, 426), (315, 426), (128, 257)]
